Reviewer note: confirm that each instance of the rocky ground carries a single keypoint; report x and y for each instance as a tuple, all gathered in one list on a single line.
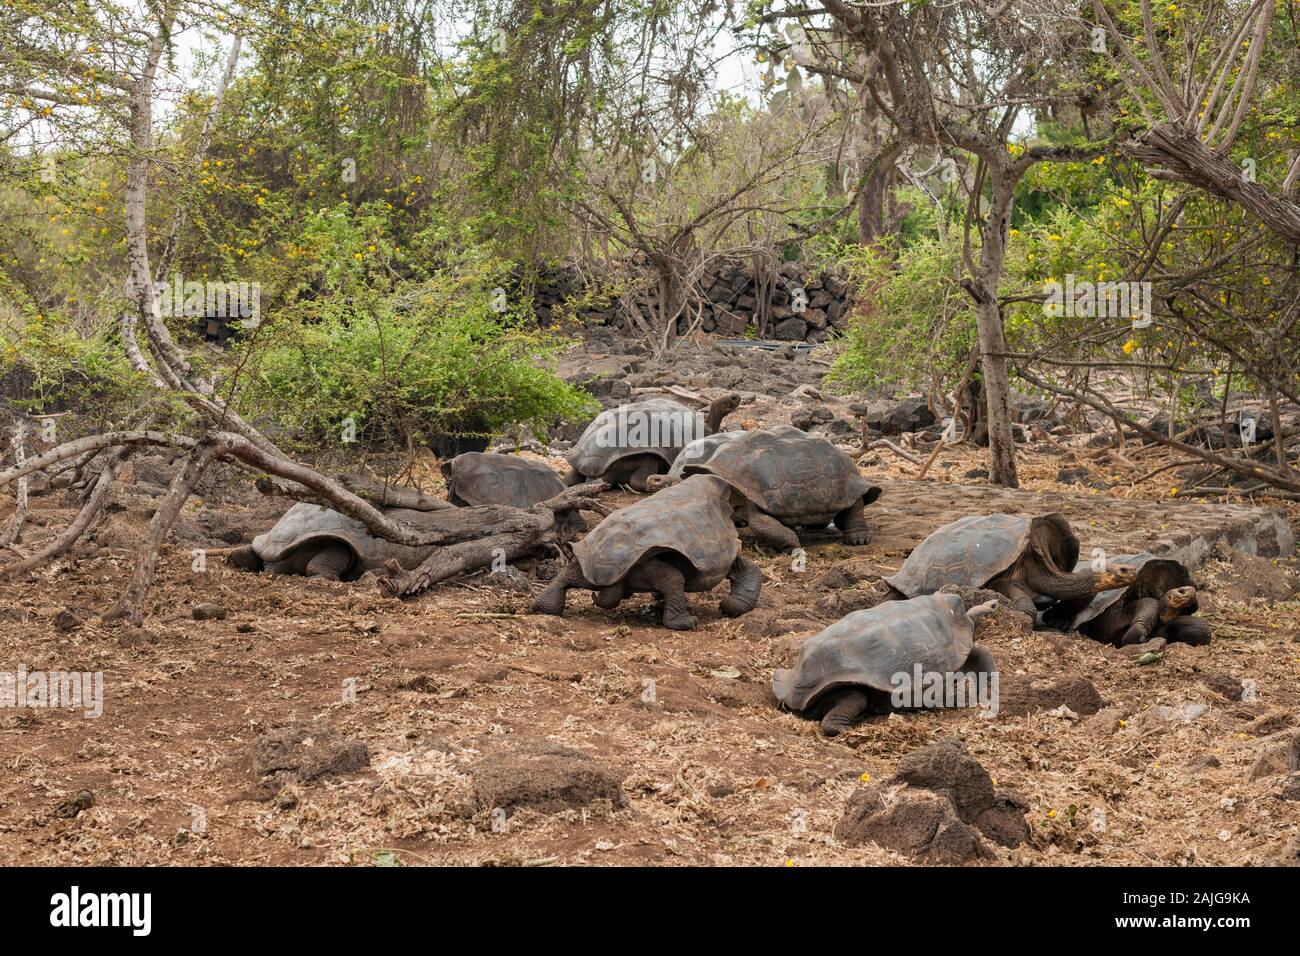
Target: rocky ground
[(259, 720)]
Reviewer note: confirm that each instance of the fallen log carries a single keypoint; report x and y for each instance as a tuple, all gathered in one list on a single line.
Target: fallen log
[(485, 542)]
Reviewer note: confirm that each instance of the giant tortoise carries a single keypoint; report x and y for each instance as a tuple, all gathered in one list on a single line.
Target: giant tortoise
[(789, 479), (856, 664), (476, 478), (696, 453), (628, 444), (322, 543), (678, 540), (1161, 602), (1018, 556)]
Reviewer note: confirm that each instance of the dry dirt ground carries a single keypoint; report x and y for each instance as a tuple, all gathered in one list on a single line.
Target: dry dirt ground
[(466, 704)]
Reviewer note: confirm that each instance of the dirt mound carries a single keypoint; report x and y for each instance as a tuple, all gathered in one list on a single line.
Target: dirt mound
[(1250, 577), (1025, 695), (543, 775), (303, 752), (937, 809), (917, 823)]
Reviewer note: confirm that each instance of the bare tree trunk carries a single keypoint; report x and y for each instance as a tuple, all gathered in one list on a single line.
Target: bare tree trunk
[(1279, 439), (991, 336), (10, 534), (131, 604)]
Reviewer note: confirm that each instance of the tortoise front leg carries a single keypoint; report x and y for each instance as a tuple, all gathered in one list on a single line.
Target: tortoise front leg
[(330, 563), (1021, 598), (1144, 613), (637, 480), (573, 477), (610, 597), (746, 583), (850, 704), (1189, 630), (551, 600), (979, 661), (852, 522), (767, 530), (668, 584)]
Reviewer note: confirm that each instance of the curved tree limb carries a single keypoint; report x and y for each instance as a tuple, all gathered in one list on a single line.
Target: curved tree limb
[(59, 546), (1099, 403)]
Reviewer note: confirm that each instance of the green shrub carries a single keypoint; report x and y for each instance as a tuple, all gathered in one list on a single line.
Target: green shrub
[(47, 367), (914, 325), (426, 362)]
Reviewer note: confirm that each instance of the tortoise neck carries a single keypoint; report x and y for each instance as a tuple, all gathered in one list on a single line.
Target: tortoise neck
[(1063, 584), (1168, 612), (713, 418)]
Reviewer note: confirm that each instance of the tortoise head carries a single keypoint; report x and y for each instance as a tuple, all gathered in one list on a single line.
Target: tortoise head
[(1116, 575), (1179, 599), (978, 611), (659, 482)]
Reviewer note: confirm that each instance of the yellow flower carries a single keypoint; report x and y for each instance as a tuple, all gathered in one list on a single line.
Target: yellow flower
[(357, 256), (1129, 346), (1013, 233), (865, 778)]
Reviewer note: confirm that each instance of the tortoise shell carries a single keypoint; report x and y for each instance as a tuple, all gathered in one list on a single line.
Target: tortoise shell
[(700, 451), (974, 550), (301, 530), (797, 478), (656, 426), (476, 478), (868, 648), (691, 520), (1155, 577)]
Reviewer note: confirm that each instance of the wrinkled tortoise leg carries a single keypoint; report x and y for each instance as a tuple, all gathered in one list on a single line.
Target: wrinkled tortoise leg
[(573, 477), (610, 597), (244, 558), (1145, 614), (1021, 598), (767, 530), (637, 480), (979, 661), (853, 523), (669, 585), (551, 600), (1189, 630), (849, 707), (330, 563), (746, 582)]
